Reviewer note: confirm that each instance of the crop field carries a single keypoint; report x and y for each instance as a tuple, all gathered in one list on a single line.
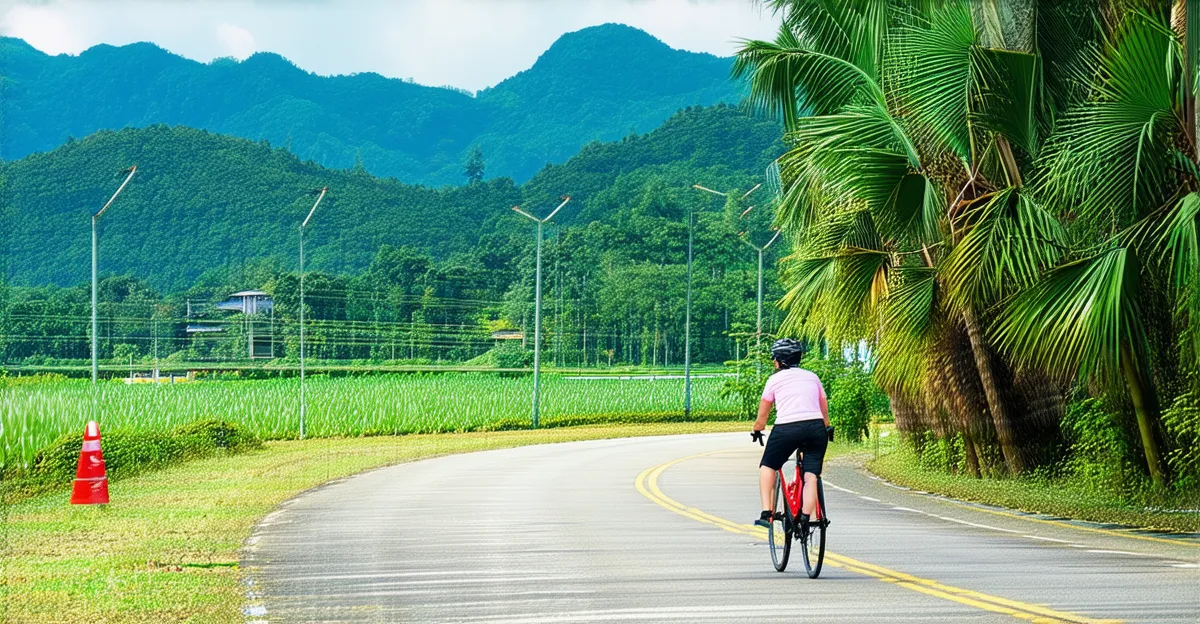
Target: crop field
[(33, 415)]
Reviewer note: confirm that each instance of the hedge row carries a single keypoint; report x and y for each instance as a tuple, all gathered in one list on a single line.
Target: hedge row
[(127, 453)]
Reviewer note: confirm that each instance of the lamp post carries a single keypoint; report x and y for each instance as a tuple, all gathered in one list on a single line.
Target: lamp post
[(95, 264), (320, 196), (537, 307), (687, 324), (760, 250)]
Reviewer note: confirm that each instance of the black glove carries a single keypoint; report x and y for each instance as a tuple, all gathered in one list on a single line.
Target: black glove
[(756, 436), (829, 433)]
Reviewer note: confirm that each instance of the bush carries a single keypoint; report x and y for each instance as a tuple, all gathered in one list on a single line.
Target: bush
[(127, 453), (851, 404), (1182, 422), (1099, 451)]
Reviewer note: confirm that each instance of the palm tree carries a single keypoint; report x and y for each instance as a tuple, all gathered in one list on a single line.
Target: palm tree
[(946, 166)]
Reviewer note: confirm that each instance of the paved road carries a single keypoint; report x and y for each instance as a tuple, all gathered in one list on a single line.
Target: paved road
[(584, 532)]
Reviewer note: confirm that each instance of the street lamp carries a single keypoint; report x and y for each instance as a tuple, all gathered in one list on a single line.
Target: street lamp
[(537, 306), (760, 250), (95, 263), (687, 323), (320, 195)]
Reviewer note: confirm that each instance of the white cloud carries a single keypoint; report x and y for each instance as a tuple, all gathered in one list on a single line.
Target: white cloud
[(235, 40), (47, 28), (466, 43)]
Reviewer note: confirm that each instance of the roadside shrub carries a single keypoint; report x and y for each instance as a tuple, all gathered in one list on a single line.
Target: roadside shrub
[(128, 453), (203, 437), (1099, 450), (1182, 422), (851, 404)]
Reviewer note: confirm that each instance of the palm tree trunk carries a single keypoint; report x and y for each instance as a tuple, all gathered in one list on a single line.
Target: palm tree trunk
[(972, 455), (1144, 405), (1000, 419)]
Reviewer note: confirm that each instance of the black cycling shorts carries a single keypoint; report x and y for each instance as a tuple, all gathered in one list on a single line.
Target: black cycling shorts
[(806, 436)]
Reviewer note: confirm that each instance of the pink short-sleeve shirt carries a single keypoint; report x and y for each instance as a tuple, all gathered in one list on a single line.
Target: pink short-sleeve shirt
[(797, 395)]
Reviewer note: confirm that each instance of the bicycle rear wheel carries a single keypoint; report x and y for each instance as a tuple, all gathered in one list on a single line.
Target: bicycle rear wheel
[(812, 541), (779, 534)]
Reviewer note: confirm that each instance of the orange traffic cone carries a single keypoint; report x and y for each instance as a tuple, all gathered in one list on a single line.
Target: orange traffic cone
[(91, 481)]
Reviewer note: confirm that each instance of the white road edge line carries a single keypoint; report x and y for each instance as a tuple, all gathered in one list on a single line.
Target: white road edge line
[(840, 489), (1119, 552), (981, 526), (1047, 539)]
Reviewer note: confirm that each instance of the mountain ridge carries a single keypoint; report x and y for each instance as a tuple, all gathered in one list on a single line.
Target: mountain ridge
[(599, 83)]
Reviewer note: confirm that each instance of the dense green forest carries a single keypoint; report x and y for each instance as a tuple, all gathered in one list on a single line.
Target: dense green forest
[(397, 272), (600, 83)]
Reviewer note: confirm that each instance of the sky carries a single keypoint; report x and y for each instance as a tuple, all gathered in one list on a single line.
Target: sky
[(469, 44)]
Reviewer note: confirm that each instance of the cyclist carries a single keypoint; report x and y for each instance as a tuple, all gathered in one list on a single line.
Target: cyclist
[(801, 423)]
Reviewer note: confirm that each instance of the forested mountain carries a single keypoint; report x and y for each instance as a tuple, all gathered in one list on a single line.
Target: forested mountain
[(597, 84), (395, 271), (201, 201)]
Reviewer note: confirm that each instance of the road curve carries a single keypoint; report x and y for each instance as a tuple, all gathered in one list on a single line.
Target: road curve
[(656, 530)]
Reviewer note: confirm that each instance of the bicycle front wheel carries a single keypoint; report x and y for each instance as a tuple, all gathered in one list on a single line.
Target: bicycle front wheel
[(779, 534), (812, 540)]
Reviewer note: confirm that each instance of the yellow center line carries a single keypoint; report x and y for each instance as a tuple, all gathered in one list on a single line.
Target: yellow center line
[(647, 484)]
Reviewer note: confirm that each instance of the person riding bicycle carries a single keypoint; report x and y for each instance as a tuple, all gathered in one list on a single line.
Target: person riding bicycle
[(801, 424)]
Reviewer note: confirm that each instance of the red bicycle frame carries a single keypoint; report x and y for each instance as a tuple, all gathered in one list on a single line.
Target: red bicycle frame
[(793, 493)]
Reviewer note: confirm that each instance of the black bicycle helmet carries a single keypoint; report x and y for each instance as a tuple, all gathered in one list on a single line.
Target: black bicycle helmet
[(788, 351)]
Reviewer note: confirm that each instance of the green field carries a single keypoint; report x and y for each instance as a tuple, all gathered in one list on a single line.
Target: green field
[(33, 415)]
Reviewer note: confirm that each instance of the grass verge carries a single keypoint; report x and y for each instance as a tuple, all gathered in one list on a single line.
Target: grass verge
[(167, 548), (1053, 497)]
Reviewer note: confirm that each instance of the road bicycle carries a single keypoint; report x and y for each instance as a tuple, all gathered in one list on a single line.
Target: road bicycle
[(785, 523)]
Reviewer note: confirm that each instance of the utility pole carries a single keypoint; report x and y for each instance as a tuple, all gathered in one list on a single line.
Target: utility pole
[(95, 265), (320, 196), (687, 324), (537, 307), (760, 250)]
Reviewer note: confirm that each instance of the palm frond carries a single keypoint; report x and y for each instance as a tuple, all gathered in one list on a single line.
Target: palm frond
[(1068, 35), (1108, 161), (930, 77), (1009, 241), (809, 278), (1077, 318), (1177, 246), (1006, 85), (785, 78), (852, 30), (914, 210), (860, 154), (909, 317)]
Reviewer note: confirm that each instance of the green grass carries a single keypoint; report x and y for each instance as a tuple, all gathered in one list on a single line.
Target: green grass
[(166, 549), (1057, 497), (33, 415)]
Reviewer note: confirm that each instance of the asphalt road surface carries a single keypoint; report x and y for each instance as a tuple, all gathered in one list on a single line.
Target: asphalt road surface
[(658, 530)]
